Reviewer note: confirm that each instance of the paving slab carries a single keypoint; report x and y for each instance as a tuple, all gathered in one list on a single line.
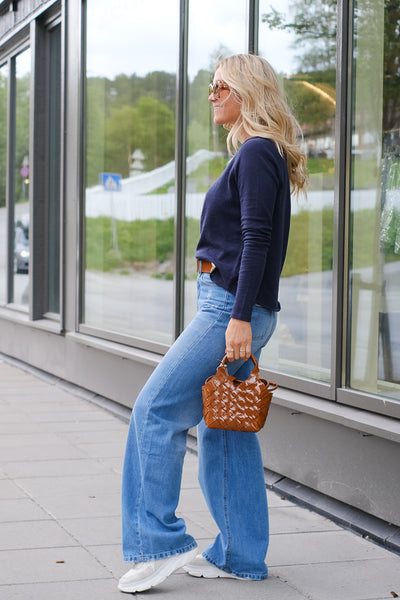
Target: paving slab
[(49, 564), (191, 500), (53, 468), (295, 519), (80, 505), (320, 547), (9, 490), (103, 589), (95, 531), (35, 452), (106, 424), (92, 486), (103, 450), (69, 416), (19, 440), (113, 463), (21, 509), (96, 437), (349, 580), (34, 534)]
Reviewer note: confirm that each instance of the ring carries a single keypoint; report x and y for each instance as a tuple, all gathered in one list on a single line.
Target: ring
[(242, 350), (229, 349)]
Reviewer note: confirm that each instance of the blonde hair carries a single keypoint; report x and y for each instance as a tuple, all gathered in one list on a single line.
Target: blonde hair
[(264, 112)]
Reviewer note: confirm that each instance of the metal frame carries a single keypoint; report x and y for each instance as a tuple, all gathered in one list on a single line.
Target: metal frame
[(38, 192), (10, 186), (180, 170), (34, 37), (81, 173), (254, 20), (39, 151), (345, 395), (342, 191)]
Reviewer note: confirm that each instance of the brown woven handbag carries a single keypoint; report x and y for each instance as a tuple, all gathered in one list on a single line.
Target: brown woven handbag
[(230, 403)]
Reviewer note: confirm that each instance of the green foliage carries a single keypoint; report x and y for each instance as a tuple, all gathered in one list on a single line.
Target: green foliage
[(3, 136), (310, 248), (127, 114), (138, 242), (309, 104), (308, 252), (123, 133), (320, 165), (315, 25), (22, 102), (158, 139), (208, 172)]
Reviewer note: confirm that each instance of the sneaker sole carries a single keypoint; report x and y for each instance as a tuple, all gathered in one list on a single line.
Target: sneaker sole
[(161, 575), (210, 573)]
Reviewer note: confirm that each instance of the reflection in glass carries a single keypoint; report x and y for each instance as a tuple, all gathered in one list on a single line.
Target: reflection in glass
[(21, 178), (54, 171), (374, 323), (130, 169), (219, 37), (3, 178), (299, 39)]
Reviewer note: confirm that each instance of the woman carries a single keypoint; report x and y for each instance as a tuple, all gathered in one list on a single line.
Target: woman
[(243, 237)]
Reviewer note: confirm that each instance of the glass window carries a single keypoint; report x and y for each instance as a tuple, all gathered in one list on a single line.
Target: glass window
[(3, 182), (20, 200), (210, 40), (130, 169), (298, 37), (53, 274), (373, 363)]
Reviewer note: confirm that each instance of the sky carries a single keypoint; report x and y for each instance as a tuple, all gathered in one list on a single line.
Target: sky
[(130, 38)]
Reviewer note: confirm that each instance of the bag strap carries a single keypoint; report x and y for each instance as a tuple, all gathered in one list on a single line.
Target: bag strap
[(255, 369)]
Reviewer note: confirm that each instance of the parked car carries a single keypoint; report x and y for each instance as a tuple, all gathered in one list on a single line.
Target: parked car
[(21, 247)]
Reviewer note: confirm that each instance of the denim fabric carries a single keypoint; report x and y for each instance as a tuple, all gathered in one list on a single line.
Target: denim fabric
[(230, 466)]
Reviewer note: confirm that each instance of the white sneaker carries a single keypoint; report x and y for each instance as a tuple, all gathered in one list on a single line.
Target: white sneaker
[(200, 567), (145, 575)]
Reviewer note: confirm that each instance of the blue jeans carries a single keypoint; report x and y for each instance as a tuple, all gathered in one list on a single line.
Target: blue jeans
[(230, 466)]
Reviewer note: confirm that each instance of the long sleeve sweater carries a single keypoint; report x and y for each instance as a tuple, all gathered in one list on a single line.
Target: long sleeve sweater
[(244, 226)]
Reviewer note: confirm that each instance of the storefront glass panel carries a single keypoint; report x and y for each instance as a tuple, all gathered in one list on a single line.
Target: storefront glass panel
[(21, 178), (299, 39), (130, 169), (373, 343), (210, 40), (3, 182)]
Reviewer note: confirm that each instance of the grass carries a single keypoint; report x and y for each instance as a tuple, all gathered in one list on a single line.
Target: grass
[(310, 247)]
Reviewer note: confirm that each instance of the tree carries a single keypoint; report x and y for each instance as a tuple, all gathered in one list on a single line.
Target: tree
[(158, 140), (123, 134), (315, 26), (199, 113)]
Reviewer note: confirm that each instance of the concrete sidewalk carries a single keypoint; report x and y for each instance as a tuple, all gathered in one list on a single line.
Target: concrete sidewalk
[(60, 538)]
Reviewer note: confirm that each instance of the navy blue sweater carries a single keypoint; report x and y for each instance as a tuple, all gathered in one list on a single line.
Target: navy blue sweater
[(244, 226)]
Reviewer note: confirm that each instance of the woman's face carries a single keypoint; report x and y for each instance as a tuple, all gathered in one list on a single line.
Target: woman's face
[(226, 107)]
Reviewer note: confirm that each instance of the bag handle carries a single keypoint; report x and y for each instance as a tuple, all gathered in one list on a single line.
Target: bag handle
[(255, 369), (271, 386)]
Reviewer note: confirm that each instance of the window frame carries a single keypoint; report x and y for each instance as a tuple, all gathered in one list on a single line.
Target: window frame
[(335, 390)]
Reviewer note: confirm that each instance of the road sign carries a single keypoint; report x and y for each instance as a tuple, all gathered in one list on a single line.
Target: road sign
[(111, 182), (24, 171)]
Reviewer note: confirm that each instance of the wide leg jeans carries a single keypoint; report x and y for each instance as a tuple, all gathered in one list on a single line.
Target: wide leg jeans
[(230, 465)]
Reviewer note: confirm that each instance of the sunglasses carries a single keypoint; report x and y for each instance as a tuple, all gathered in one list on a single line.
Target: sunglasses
[(215, 88)]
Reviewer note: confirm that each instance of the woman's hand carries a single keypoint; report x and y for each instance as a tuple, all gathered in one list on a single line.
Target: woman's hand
[(238, 338)]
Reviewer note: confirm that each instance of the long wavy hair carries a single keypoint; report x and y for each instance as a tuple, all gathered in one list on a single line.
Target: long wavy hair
[(264, 112)]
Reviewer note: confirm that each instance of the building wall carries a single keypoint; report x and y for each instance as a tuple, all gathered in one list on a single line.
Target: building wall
[(89, 314)]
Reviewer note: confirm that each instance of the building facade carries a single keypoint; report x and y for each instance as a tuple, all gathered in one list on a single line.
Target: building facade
[(107, 147)]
